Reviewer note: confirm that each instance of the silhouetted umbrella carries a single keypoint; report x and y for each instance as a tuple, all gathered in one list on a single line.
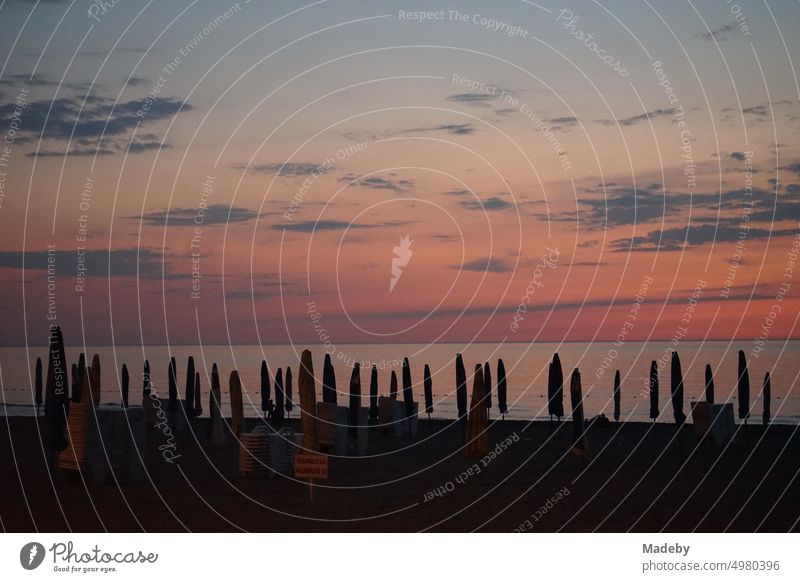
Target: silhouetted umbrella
[(767, 395), (408, 393), (237, 403), (576, 397), (328, 381), (266, 401), (477, 439), (676, 389), (38, 386), (77, 387), (56, 401), (277, 414), (617, 396), (172, 380), (308, 401), (709, 384), (502, 388), (428, 387), (198, 400), (555, 389), (95, 386), (653, 390), (744, 388), (288, 390), (74, 376), (487, 387), (355, 400), (373, 394), (461, 387), (125, 385), (146, 378), (188, 400), (393, 385), (215, 408)]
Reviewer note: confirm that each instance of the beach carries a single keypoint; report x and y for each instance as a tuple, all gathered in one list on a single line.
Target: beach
[(636, 477)]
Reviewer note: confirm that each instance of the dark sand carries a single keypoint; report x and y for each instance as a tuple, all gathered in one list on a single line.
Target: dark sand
[(637, 478)]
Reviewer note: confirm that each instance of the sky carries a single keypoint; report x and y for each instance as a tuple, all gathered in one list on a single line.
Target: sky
[(247, 172)]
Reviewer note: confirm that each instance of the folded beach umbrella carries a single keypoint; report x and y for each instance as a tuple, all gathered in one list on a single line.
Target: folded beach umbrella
[(617, 396), (393, 385), (744, 388), (428, 386), (39, 384), (215, 409), (355, 400), (408, 392), (188, 399), (709, 384), (580, 446), (280, 398), (172, 379), (328, 381), (502, 388), (145, 380), (676, 389), (767, 395), (487, 387), (308, 401), (77, 386), (555, 389), (461, 387), (95, 385), (198, 401), (477, 439), (288, 391), (237, 404), (373, 394), (56, 399), (125, 385), (266, 401), (653, 390)]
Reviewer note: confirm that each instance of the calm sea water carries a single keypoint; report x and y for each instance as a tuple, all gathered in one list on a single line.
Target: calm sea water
[(526, 366)]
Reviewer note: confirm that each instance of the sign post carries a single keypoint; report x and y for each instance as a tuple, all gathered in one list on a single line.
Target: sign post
[(310, 466)]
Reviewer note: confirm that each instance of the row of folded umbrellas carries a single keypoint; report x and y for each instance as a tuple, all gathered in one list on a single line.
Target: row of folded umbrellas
[(86, 387)]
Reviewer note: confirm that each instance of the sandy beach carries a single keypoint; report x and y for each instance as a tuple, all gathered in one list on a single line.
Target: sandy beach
[(637, 477)]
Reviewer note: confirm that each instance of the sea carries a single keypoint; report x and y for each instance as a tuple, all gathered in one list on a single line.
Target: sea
[(526, 366)]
